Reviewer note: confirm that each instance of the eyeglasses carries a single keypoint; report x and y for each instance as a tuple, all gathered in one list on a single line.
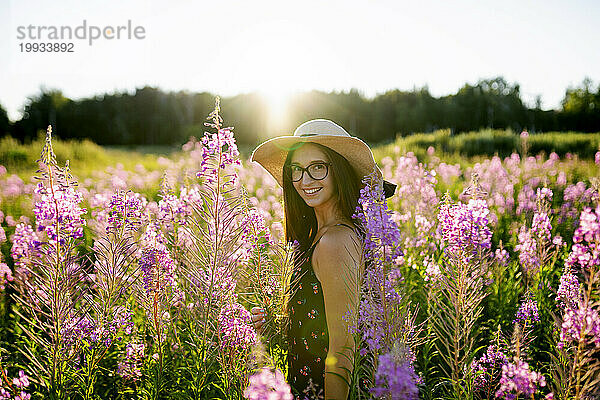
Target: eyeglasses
[(317, 171)]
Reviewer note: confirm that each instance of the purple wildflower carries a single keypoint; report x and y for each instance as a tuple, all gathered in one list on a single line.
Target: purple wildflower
[(121, 321), (255, 231), (130, 366), (496, 180), (219, 151), (380, 300), (395, 276), (235, 324), (395, 377), (25, 245), (156, 264), (527, 312), (527, 249), (23, 396), (372, 323), (432, 269), (266, 385), (126, 211), (501, 256), (580, 325), (544, 194), (589, 227), (575, 195), (586, 238), (22, 381), (157, 268), (58, 212), (424, 231), (382, 233), (173, 210), (558, 241), (81, 332), (191, 196), (518, 379), (5, 275), (486, 370), (526, 199), (77, 329), (569, 292), (100, 206), (541, 227), (464, 227), (218, 284)]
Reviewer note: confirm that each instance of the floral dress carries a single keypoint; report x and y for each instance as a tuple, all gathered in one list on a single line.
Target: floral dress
[(308, 337)]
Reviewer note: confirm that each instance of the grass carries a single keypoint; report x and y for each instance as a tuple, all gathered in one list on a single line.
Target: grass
[(489, 142), (84, 156)]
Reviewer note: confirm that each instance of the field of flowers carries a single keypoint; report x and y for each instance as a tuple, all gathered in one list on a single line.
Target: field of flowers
[(482, 280)]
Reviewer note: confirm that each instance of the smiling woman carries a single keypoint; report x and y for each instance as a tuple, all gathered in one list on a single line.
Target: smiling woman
[(320, 169)]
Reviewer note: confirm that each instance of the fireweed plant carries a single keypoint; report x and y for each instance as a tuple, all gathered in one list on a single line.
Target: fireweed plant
[(576, 368), (266, 278), (157, 295), (210, 329), (16, 387), (215, 259), (458, 289), (71, 317), (383, 321)]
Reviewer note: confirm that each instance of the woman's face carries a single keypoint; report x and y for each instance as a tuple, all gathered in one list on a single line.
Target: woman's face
[(315, 193)]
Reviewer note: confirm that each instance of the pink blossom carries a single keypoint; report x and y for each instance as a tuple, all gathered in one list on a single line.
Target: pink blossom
[(580, 325), (235, 324), (518, 379), (465, 226), (266, 385), (58, 212)]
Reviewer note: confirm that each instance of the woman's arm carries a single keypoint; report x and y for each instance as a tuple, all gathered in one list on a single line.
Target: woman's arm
[(337, 261)]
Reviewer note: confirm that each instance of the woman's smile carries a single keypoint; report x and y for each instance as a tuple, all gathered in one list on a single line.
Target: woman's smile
[(311, 191)]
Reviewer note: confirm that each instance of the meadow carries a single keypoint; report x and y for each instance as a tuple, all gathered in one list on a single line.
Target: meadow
[(130, 275)]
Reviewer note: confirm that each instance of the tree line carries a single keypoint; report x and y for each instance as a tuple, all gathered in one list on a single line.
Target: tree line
[(151, 116)]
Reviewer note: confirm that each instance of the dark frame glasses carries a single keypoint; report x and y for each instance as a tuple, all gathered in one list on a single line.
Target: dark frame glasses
[(313, 170)]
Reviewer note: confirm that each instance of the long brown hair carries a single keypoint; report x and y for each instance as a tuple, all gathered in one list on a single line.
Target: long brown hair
[(300, 219)]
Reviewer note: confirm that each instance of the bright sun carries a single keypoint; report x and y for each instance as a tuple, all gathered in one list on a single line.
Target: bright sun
[(277, 101), (272, 59)]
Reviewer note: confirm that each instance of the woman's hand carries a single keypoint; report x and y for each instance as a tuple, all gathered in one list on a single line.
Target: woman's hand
[(258, 318)]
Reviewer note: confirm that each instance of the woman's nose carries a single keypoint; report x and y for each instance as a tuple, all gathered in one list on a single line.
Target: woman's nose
[(306, 178)]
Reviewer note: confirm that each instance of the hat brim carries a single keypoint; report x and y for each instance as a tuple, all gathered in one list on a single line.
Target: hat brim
[(271, 154)]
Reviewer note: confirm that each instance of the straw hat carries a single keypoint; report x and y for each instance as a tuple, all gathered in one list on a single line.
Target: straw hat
[(272, 153)]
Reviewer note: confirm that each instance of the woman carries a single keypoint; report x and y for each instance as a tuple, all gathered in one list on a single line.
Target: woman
[(320, 169)]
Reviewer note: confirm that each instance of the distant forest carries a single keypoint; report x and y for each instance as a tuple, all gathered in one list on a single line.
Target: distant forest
[(151, 116)]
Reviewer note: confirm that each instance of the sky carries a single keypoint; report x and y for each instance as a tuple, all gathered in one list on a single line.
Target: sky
[(280, 47)]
